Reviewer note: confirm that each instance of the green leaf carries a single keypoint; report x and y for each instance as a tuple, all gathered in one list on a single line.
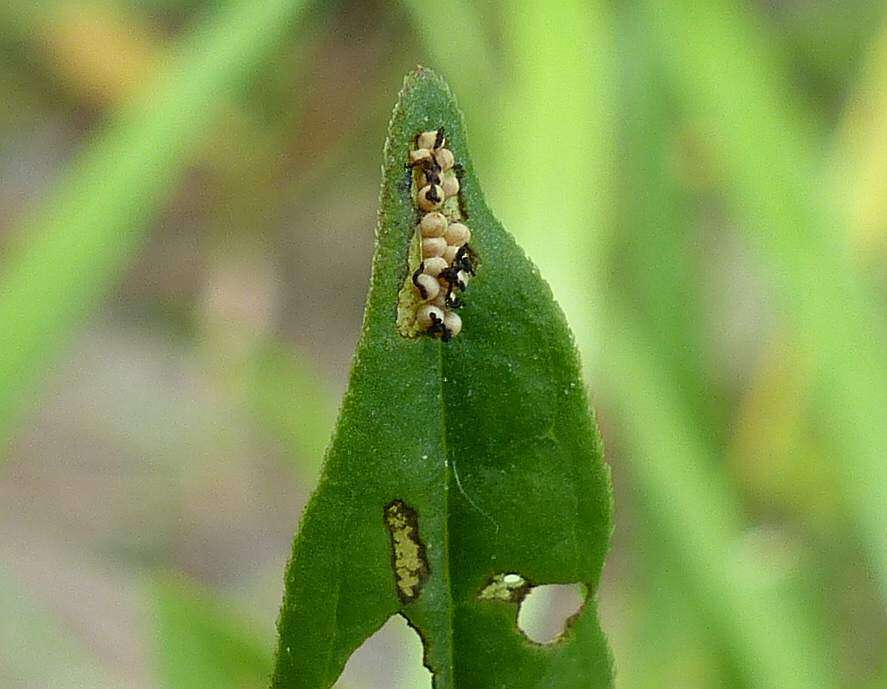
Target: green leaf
[(482, 446)]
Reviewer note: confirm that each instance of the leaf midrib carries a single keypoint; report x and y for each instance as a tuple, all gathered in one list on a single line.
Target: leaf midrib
[(446, 532)]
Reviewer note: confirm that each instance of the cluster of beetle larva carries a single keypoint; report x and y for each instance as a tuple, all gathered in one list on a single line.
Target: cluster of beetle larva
[(446, 257)]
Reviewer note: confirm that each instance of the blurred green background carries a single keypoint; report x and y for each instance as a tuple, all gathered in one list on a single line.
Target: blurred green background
[(187, 198)]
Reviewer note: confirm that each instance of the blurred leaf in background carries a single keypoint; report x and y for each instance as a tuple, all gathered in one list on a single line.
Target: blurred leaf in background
[(63, 660), (80, 241), (203, 643)]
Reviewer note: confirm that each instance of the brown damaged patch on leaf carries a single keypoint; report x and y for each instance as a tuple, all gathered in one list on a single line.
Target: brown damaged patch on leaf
[(407, 550), (508, 587)]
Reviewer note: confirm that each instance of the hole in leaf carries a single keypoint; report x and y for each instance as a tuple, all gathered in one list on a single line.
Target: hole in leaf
[(390, 659), (545, 611)]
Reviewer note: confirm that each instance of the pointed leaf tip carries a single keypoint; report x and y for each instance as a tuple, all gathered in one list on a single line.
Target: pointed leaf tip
[(461, 464)]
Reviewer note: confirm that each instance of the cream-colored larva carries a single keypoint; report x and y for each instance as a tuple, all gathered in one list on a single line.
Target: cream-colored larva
[(429, 287), (445, 262), (433, 246), (428, 314), (460, 281), (452, 322), (445, 158), (431, 197), (432, 139), (457, 234), (433, 224), (434, 266), (450, 185), (420, 155)]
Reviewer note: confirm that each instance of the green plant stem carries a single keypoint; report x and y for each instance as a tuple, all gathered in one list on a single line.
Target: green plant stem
[(87, 230)]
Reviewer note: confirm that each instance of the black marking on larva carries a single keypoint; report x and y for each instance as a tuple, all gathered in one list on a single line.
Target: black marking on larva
[(432, 194), (430, 168), (437, 326), (432, 171), (453, 302), (408, 559), (465, 259), (451, 275), (422, 291), (439, 139), (429, 165)]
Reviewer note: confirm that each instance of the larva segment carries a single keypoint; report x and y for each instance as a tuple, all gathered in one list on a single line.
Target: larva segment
[(439, 251)]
